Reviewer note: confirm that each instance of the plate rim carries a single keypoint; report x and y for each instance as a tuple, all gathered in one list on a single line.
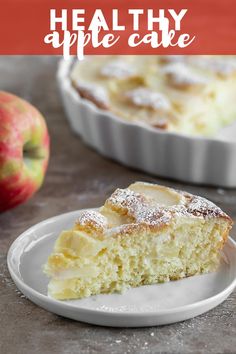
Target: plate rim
[(27, 289)]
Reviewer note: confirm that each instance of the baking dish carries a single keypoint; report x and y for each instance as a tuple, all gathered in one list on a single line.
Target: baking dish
[(201, 160)]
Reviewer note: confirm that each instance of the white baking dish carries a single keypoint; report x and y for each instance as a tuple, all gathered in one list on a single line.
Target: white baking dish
[(190, 159)]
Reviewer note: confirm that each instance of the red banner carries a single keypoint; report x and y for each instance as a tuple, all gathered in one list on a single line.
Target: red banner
[(140, 27)]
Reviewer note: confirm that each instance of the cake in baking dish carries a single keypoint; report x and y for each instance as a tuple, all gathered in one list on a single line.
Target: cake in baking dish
[(193, 95), (144, 234)]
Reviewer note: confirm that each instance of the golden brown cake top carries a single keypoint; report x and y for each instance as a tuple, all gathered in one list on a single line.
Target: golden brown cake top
[(145, 206), (193, 95)]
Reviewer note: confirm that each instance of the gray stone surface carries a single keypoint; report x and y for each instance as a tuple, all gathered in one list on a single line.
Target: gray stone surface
[(78, 178)]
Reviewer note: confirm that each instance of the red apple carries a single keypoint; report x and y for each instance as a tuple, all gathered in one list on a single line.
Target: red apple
[(24, 150)]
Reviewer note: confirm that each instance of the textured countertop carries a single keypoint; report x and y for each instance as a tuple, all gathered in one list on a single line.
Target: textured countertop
[(78, 178)]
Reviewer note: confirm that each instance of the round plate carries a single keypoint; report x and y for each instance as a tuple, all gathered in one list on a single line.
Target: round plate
[(144, 306)]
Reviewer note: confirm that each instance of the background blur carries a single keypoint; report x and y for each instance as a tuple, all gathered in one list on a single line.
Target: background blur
[(79, 178)]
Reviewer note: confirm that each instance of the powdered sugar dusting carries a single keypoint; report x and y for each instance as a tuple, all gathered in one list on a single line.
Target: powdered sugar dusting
[(127, 201), (143, 209), (154, 216), (94, 92), (199, 206), (92, 218), (118, 69), (218, 66), (139, 210), (182, 76), (145, 97)]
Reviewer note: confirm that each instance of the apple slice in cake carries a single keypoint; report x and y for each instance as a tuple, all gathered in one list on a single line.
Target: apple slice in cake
[(144, 234)]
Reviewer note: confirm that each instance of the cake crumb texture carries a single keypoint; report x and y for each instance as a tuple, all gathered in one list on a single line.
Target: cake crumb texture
[(144, 234)]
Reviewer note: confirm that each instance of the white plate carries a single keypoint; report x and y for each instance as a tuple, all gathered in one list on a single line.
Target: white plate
[(144, 306)]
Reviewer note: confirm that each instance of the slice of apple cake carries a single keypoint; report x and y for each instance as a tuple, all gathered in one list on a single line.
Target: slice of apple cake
[(144, 234)]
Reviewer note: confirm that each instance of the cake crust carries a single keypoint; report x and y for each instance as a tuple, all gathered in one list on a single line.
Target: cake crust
[(138, 211)]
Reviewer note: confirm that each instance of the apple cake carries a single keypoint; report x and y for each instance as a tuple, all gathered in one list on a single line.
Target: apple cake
[(144, 234), (193, 95)]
